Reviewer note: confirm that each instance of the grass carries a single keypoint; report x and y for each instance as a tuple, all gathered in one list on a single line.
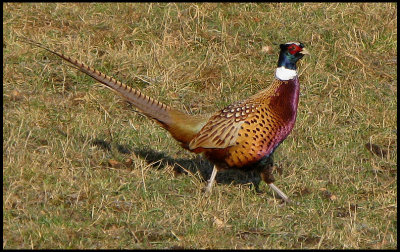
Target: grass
[(82, 170)]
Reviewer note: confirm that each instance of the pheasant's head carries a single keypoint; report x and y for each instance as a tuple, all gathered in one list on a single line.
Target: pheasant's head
[(290, 53)]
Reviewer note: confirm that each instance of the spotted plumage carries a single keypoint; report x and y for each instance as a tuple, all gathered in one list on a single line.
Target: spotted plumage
[(250, 129), (242, 135)]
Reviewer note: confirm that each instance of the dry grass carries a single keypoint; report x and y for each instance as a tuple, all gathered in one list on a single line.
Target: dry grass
[(59, 190)]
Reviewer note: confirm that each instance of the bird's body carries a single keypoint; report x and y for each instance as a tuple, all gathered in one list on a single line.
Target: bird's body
[(248, 131), (241, 136)]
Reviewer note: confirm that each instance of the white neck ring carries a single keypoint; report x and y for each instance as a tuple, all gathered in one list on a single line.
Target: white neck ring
[(284, 74)]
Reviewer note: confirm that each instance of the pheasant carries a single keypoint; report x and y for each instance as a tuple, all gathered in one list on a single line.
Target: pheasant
[(241, 136)]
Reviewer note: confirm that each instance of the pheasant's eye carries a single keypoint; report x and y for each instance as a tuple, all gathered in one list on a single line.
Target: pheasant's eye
[(293, 49)]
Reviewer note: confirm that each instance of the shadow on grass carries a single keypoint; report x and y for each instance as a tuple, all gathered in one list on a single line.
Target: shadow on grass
[(159, 160), (198, 164)]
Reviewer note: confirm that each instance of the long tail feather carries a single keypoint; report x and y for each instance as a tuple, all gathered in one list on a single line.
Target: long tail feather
[(181, 126)]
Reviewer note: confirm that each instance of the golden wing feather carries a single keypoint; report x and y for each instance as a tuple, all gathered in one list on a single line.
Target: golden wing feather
[(222, 129)]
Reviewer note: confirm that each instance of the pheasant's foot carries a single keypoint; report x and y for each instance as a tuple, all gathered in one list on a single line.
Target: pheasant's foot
[(207, 190)]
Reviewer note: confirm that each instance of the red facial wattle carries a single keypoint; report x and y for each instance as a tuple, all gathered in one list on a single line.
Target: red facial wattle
[(293, 49)]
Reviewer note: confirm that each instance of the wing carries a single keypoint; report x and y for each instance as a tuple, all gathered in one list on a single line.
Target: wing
[(222, 128)]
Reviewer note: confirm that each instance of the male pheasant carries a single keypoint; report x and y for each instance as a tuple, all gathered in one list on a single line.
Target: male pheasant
[(241, 136)]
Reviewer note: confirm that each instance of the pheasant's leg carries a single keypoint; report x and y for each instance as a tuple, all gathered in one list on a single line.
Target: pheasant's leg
[(267, 177), (211, 180), (279, 192)]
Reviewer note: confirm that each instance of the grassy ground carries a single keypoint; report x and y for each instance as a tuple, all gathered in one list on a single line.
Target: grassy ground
[(82, 170)]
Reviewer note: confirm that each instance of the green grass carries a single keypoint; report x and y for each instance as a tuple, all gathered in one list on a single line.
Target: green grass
[(59, 190)]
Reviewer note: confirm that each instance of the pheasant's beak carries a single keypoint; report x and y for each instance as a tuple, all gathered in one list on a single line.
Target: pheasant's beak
[(304, 52)]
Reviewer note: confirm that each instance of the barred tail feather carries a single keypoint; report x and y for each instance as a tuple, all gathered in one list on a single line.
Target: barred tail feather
[(144, 103), (182, 126)]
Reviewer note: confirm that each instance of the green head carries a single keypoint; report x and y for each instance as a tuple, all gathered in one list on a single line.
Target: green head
[(290, 53)]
